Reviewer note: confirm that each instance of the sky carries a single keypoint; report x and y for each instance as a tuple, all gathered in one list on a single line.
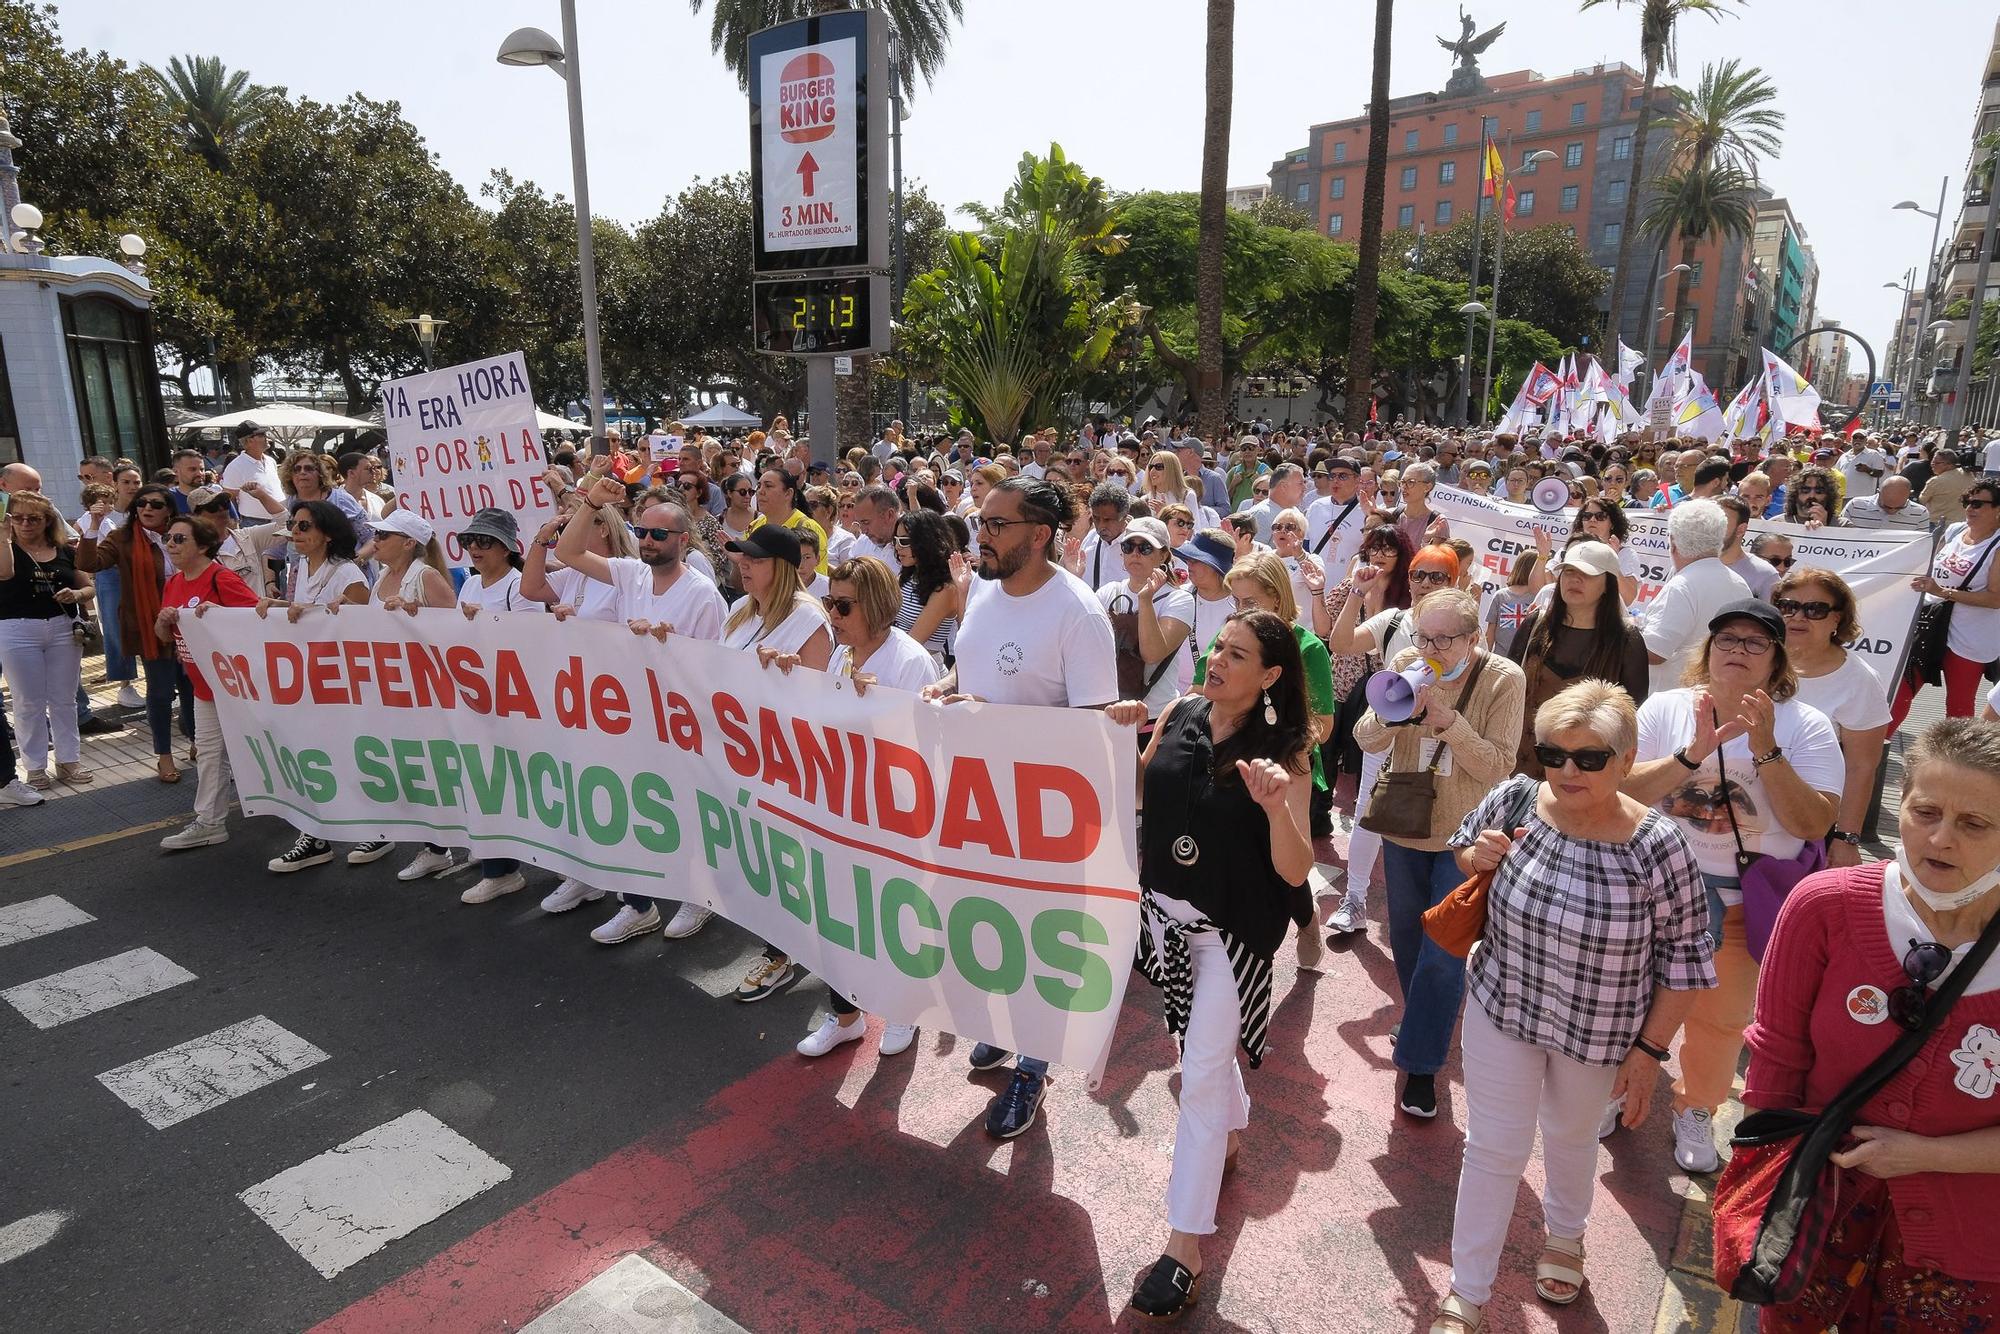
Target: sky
[(1879, 99)]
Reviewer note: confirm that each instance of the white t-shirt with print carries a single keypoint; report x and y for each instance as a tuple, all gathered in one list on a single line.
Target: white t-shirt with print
[(788, 636), (1975, 631), (1666, 723), (690, 605), (1343, 546), (1851, 695), (900, 663), (1170, 603), (1051, 647), (327, 585)]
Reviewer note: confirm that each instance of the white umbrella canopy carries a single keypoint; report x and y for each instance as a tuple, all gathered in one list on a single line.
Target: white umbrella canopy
[(548, 421), (722, 415), (284, 420)]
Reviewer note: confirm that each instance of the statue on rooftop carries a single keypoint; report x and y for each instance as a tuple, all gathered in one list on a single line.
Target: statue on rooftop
[(1465, 80)]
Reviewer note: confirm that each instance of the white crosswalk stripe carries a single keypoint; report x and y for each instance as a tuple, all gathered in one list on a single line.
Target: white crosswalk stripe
[(634, 1296), (91, 987), (186, 1080), (38, 917), (341, 1207)]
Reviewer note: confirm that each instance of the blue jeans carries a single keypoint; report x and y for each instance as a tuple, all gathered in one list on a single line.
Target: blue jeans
[(166, 684), (1433, 981), (118, 664)]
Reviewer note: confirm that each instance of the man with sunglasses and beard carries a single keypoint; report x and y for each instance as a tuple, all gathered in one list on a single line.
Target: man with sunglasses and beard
[(1033, 633)]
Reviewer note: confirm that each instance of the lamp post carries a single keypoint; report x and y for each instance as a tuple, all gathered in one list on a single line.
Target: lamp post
[(1955, 411), (897, 112), (1499, 257), (532, 46), (1930, 266), (1902, 355), (1653, 327), (427, 335), (1473, 311)]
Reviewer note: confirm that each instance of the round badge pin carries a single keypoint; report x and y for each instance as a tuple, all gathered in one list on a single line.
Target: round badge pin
[(1868, 1005)]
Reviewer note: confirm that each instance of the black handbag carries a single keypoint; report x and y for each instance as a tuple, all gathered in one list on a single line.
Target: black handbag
[(1930, 636), (1402, 802)]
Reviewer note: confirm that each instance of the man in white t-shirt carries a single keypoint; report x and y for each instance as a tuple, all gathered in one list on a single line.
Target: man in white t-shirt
[(876, 510), (1097, 559), (657, 593), (1697, 531), (1288, 491), (1989, 457), (1337, 521), (1032, 633), (1863, 466), (252, 477)]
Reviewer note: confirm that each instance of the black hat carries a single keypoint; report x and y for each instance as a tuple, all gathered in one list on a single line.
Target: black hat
[(768, 539), (497, 524), (1749, 609), (244, 430)]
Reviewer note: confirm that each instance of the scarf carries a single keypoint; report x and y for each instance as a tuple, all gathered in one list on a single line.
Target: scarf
[(142, 589)]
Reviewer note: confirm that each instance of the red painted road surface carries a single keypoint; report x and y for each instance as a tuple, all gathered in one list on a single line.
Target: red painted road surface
[(857, 1193)]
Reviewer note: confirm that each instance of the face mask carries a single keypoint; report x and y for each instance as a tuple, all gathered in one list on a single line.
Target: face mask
[(1459, 670), (1937, 902)]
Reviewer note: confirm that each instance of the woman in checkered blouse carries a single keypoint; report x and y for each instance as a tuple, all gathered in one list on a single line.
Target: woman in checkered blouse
[(1596, 946)]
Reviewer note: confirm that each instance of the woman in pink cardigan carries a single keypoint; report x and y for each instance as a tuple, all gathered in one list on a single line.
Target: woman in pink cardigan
[(1917, 1246)]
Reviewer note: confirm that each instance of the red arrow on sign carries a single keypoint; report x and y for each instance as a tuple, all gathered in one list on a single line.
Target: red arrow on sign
[(806, 169)]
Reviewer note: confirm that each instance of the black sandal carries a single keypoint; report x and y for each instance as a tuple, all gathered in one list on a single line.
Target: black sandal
[(1168, 1289)]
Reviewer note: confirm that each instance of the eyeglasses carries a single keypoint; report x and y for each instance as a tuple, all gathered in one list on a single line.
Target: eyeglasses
[(1135, 546), (999, 527), (175, 539), (1812, 611), (1923, 965), (1286, 528), (694, 486), (1591, 760), (840, 606), (151, 503), (1755, 645), (1439, 643), (1429, 577), (657, 534), (742, 490)]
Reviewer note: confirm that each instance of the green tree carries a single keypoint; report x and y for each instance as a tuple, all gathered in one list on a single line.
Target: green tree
[(1551, 281), (1219, 82), (1374, 192), (920, 30), (214, 108), (1659, 48)]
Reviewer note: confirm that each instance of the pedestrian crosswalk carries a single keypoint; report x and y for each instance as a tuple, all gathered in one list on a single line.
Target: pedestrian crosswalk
[(170, 1086), (38, 917), (90, 988)]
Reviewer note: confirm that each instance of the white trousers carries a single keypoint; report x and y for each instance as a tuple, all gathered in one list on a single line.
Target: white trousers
[(1213, 1100), (1507, 1084), (211, 765), (42, 665), (1363, 847)]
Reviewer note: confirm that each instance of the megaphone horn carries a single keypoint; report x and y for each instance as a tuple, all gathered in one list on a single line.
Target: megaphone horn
[(1551, 495), (1393, 695)]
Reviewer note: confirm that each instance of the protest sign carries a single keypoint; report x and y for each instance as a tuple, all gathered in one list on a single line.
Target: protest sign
[(1877, 564), (969, 868), (463, 439)]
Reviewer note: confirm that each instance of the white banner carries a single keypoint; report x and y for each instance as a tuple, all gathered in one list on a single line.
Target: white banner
[(464, 439), (1877, 564), (971, 869)]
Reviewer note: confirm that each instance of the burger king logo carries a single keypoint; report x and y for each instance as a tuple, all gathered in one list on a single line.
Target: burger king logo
[(806, 99)]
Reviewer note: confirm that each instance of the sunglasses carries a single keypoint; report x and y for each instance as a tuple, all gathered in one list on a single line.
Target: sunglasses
[(1781, 562), (1923, 965), (175, 539), (151, 503), (1136, 546), (1976, 504), (1156, 467), (478, 541), (657, 534), (301, 527), (1755, 645), (1286, 528), (840, 606), (694, 486), (1591, 760), (901, 540), (1429, 577), (1812, 611)]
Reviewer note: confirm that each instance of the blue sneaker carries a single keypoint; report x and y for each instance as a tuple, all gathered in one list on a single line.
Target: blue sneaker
[(1013, 1111), (986, 1056)]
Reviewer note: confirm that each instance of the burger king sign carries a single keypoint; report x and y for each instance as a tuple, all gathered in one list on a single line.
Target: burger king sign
[(810, 119)]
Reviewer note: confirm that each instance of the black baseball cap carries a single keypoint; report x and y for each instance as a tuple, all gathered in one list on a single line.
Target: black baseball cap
[(244, 430), (1749, 609), (774, 541)]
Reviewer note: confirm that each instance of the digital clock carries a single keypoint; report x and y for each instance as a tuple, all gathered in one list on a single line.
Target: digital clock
[(806, 315)]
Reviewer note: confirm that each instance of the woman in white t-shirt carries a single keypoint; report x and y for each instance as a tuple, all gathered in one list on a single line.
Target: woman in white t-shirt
[(861, 604), (1162, 611), (777, 615), (1962, 574), (1784, 773), (413, 569), (565, 590), (1819, 611), (1308, 574)]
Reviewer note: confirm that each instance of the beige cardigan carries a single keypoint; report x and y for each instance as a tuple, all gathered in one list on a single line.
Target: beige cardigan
[(1483, 743)]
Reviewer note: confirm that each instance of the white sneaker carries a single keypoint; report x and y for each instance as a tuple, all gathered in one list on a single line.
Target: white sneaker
[(691, 918), (831, 1033), (1694, 1141), (493, 886), (1607, 1124), (130, 698), (196, 835), (428, 863), (1349, 918), (18, 793), (896, 1038), (570, 894), (626, 923)]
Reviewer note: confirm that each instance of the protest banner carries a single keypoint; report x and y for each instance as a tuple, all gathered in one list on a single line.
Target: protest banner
[(463, 439), (969, 868), (1878, 564)]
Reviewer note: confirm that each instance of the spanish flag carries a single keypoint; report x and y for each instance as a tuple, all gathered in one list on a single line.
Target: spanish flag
[(1493, 181)]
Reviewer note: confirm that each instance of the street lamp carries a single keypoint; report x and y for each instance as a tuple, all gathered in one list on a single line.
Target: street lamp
[(1931, 264), (1653, 325), (427, 334), (1903, 355), (532, 46), (1499, 259), (1473, 311)]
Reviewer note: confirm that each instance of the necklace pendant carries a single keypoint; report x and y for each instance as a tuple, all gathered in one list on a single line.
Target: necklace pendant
[(1186, 851)]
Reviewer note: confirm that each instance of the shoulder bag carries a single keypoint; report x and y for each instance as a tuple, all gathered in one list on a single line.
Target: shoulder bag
[(1780, 1195), (1457, 921), (1402, 802), (1766, 881), (1930, 636), (1134, 681)]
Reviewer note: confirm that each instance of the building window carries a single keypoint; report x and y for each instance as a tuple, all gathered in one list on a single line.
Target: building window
[(1528, 165), (1621, 148), (10, 431), (1615, 193), (1406, 216), (1573, 154), (1577, 111), (1524, 204), (1534, 122), (1569, 195), (1451, 134), (1491, 125), (1305, 192), (1613, 231), (1336, 224), (1411, 138), (1444, 212), (1694, 275), (1337, 188), (1447, 172), (1340, 150), (1409, 178), (111, 370)]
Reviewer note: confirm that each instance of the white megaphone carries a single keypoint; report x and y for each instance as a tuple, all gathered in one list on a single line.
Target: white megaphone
[(1551, 495), (1393, 695)]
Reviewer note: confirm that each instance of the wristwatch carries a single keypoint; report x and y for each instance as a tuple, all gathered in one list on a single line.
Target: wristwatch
[(1658, 1053), (1682, 756), (1844, 836)]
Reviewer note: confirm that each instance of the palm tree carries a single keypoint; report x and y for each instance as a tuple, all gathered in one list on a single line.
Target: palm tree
[(919, 31), (1368, 268), (213, 107), (1658, 49), (1214, 218)]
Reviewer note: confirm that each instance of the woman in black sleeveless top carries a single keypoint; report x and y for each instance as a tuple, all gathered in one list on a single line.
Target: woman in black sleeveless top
[(1224, 863)]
